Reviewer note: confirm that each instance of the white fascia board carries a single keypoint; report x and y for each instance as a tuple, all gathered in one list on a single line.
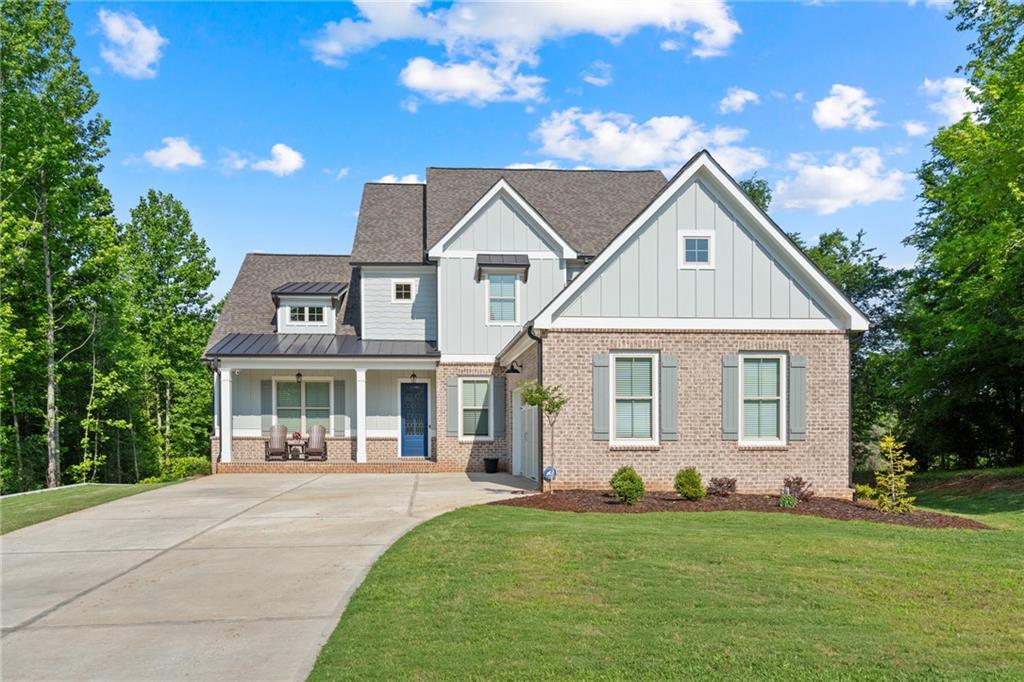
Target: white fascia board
[(384, 268), (692, 323), (502, 186), (704, 163), (512, 351)]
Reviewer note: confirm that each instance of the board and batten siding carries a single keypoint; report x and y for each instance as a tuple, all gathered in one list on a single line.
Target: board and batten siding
[(500, 227), (464, 328), (402, 320), (644, 279)]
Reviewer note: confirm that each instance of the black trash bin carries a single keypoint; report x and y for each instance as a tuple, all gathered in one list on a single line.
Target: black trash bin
[(491, 465)]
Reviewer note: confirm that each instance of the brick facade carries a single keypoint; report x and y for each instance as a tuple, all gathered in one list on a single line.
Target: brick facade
[(458, 455), (823, 458)]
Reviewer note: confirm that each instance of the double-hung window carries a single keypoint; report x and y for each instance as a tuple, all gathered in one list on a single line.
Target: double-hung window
[(475, 409), (501, 299), (634, 397), (762, 392), (301, 405)]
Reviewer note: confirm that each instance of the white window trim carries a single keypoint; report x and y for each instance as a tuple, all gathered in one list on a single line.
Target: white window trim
[(430, 412), (487, 299), (302, 401), (655, 400), (287, 315), (490, 411), (412, 288), (783, 400), (698, 234)]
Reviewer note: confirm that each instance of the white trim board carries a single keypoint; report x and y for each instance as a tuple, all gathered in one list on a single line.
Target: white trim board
[(501, 187), (753, 324), (710, 171)]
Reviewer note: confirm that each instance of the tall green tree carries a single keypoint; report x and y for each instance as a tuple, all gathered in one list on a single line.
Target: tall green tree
[(59, 234), (963, 386), (759, 191)]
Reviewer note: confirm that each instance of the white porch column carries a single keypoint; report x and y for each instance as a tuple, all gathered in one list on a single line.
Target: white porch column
[(360, 414), (225, 415), (216, 403)]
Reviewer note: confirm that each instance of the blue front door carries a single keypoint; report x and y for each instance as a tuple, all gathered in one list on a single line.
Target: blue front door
[(414, 420)]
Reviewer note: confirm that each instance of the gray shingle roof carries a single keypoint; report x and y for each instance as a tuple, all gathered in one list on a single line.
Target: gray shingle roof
[(249, 308), (390, 225), (586, 208), (317, 345)]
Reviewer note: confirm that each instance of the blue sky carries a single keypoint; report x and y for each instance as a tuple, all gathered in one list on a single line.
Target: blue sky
[(266, 119)]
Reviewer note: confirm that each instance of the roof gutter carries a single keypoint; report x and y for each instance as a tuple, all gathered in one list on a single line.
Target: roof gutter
[(540, 422)]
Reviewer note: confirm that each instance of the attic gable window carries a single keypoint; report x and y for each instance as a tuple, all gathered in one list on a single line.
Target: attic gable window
[(696, 250), (402, 290)]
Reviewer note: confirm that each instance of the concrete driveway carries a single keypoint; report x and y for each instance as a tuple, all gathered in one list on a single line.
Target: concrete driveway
[(231, 577)]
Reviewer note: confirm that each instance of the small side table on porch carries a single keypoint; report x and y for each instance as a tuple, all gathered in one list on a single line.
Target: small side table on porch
[(296, 448)]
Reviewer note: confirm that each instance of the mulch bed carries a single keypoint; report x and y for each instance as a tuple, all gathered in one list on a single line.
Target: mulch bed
[(604, 502)]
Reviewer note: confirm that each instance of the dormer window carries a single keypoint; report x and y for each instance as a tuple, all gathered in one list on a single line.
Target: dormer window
[(306, 313)]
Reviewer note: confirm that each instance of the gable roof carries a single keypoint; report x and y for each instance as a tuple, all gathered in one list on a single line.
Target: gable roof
[(854, 319), (249, 307), (390, 225), (586, 208)]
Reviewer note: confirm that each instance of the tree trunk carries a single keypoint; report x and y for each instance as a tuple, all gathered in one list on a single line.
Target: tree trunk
[(17, 442), (117, 452), (52, 445), (135, 451), (167, 421)]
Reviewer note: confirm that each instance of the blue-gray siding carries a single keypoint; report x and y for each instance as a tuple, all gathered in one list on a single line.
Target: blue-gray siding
[(644, 279), (383, 319), (500, 226), (464, 330)]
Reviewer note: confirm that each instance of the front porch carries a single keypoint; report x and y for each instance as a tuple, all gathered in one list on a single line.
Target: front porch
[(378, 416)]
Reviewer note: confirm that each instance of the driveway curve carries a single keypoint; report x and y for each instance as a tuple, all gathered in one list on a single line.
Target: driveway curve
[(228, 577)]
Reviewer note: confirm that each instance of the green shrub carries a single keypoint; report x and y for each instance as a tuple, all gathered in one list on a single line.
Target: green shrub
[(628, 486), (787, 501), (185, 467), (891, 483), (152, 479), (688, 484), (862, 491)]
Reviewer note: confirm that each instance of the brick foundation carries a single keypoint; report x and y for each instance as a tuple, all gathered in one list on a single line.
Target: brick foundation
[(823, 458)]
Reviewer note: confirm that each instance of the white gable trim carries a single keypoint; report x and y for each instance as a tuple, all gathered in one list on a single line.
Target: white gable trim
[(502, 187), (853, 319)]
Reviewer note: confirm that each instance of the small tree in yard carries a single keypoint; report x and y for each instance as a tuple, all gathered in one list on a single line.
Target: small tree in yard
[(550, 400), (891, 483)]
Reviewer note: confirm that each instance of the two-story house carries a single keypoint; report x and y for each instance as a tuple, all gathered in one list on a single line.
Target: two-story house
[(683, 325)]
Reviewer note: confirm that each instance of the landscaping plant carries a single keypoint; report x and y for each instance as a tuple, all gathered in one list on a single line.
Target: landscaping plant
[(891, 482), (550, 400), (798, 488), (787, 501), (722, 487), (688, 484), (628, 486)]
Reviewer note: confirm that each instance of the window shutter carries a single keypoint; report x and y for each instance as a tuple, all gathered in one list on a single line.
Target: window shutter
[(498, 386), (668, 384), (797, 397), (601, 397), (730, 397), (266, 405), (453, 407), (339, 407)]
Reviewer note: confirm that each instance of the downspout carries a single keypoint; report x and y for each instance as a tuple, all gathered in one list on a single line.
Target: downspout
[(540, 422)]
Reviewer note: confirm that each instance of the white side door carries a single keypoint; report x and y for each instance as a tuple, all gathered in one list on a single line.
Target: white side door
[(529, 442), (517, 434)]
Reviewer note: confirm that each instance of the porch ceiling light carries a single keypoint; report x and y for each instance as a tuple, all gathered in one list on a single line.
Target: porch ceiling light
[(298, 377), (413, 376)]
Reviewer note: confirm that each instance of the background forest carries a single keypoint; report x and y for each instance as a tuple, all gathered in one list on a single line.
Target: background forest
[(102, 324)]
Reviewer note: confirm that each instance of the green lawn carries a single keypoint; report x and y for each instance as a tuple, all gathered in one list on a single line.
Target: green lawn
[(24, 510), (500, 592)]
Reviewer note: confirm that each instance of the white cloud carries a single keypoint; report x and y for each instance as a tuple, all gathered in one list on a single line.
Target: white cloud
[(391, 178), (737, 98), (176, 152), (283, 161), (546, 164), (670, 45), (599, 74), (490, 43), (856, 177), (615, 140), (798, 96), (342, 173), (950, 97), (411, 104), (231, 161), (846, 106), (914, 128), (473, 82), (131, 49)]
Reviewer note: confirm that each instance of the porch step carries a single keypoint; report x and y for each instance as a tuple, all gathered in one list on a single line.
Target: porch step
[(413, 467)]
